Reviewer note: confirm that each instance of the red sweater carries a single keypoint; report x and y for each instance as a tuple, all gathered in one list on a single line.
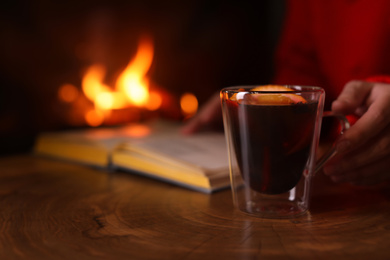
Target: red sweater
[(329, 42)]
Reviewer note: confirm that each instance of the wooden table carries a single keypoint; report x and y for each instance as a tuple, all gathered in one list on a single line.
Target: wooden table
[(57, 210)]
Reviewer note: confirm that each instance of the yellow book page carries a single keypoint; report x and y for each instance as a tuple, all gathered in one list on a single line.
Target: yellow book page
[(204, 151), (159, 169), (88, 154)]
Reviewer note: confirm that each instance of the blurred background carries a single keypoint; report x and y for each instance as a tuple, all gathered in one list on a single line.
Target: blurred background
[(76, 64)]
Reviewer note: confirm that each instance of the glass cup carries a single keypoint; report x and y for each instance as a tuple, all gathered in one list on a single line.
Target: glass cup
[(272, 134)]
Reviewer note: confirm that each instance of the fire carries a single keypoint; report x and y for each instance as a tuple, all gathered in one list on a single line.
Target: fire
[(131, 88), (92, 82), (111, 100), (132, 92), (132, 81)]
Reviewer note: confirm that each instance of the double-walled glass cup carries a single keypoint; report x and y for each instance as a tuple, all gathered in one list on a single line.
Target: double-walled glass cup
[(272, 134)]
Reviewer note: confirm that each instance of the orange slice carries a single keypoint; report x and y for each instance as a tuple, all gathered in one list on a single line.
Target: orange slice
[(271, 88), (271, 98), (234, 96)]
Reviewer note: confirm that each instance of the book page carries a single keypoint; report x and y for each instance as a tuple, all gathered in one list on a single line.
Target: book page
[(204, 150), (158, 139)]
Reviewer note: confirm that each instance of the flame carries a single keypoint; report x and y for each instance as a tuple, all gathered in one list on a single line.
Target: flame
[(92, 82), (188, 104), (110, 100), (132, 81), (131, 87), (132, 94)]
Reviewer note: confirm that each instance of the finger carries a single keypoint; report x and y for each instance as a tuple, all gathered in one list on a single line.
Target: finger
[(368, 126), (352, 97), (360, 111), (368, 175), (372, 151)]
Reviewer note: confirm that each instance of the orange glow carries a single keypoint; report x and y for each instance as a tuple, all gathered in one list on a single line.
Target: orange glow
[(132, 81), (188, 104), (131, 90), (137, 131), (68, 93), (154, 102), (111, 100), (132, 86), (92, 82), (94, 118)]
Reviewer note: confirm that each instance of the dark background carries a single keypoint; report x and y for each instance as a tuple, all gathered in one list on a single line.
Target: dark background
[(201, 46)]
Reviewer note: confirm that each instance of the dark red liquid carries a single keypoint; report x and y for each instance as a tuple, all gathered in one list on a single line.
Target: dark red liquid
[(272, 143)]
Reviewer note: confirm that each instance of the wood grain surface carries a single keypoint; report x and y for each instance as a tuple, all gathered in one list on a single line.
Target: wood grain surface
[(57, 210)]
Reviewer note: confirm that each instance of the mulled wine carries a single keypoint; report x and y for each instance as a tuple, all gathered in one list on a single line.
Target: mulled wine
[(272, 143)]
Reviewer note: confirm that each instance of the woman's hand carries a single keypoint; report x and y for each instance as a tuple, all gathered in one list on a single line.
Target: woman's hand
[(363, 152)]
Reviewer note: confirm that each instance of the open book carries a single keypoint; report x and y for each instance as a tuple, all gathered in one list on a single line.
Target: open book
[(156, 149)]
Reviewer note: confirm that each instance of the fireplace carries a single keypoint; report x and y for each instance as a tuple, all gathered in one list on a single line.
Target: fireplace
[(133, 95), (174, 54)]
